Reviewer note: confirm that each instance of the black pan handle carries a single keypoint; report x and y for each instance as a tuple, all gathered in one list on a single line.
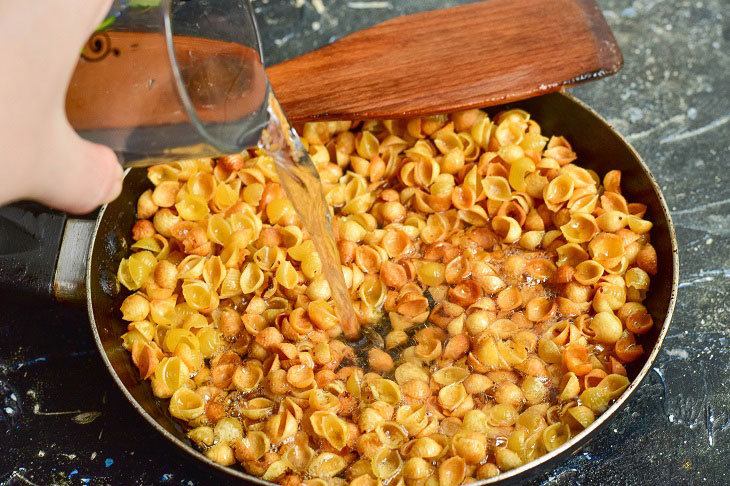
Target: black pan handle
[(43, 252)]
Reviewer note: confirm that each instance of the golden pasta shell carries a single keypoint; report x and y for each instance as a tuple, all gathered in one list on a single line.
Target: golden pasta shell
[(199, 295), (471, 446), (614, 384), (298, 456), (322, 314), (386, 390), (323, 400), (386, 463), (425, 447), (300, 376), (580, 228), (571, 254), (135, 308), (452, 472), (497, 188), (327, 465), (476, 421), (595, 398), (202, 184), (588, 272), (583, 204), (509, 299), (451, 396), (580, 416), (372, 291), (228, 430), (332, 429), (186, 405), (507, 228), (417, 468), (280, 427), (507, 459), (540, 309), (391, 434), (165, 193), (612, 221), (606, 327), (253, 446), (257, 408), (176, 336), (606, 247), (450, 375), (222, 454), (558, 191), (569, 387), (146, 208), (275, 470), (203, 436), (192, 208), (247, 377)]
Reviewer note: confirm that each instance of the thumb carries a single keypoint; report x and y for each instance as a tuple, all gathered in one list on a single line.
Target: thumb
[(78, 175)]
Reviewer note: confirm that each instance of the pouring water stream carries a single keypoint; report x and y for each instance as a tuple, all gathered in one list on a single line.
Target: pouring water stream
[(300, 180)]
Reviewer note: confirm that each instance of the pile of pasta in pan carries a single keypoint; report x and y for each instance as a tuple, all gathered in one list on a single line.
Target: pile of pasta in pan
[(507, 282)]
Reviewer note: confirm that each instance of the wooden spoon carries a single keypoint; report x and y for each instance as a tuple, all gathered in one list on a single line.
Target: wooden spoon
[(457, 58)]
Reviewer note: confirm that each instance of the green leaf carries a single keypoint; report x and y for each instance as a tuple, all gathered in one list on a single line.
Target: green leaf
[(106, 23), (143, 3)]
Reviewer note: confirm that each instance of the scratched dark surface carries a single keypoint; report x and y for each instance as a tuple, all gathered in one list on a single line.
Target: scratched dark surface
[(63, 421)]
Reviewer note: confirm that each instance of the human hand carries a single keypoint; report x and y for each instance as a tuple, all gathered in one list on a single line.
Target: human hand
[(41, 157)]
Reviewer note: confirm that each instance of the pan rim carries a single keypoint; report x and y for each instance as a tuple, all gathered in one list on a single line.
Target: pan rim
[(574, 444)]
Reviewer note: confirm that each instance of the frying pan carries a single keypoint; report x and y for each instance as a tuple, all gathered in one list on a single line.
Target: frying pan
[(91, 251)]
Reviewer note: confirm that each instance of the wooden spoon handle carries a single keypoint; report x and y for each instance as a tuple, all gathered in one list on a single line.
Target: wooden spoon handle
[(469, 56)]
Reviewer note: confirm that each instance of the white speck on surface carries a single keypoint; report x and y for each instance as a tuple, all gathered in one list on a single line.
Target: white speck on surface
[(692, 113), (708, 241), (13, 397), (93, 456), (678, 353), (316, 25), (9, 411), (283, 40), (319, 6), (41, 453), (634, 114), (629, 12)]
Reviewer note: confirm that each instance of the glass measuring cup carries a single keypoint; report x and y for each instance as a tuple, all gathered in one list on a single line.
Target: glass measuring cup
[(166, 80)]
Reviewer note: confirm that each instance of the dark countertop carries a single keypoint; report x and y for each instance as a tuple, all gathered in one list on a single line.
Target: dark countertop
[(62, 420)]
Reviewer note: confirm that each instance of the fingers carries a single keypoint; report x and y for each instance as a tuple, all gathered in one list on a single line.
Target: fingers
[(80, 175)]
